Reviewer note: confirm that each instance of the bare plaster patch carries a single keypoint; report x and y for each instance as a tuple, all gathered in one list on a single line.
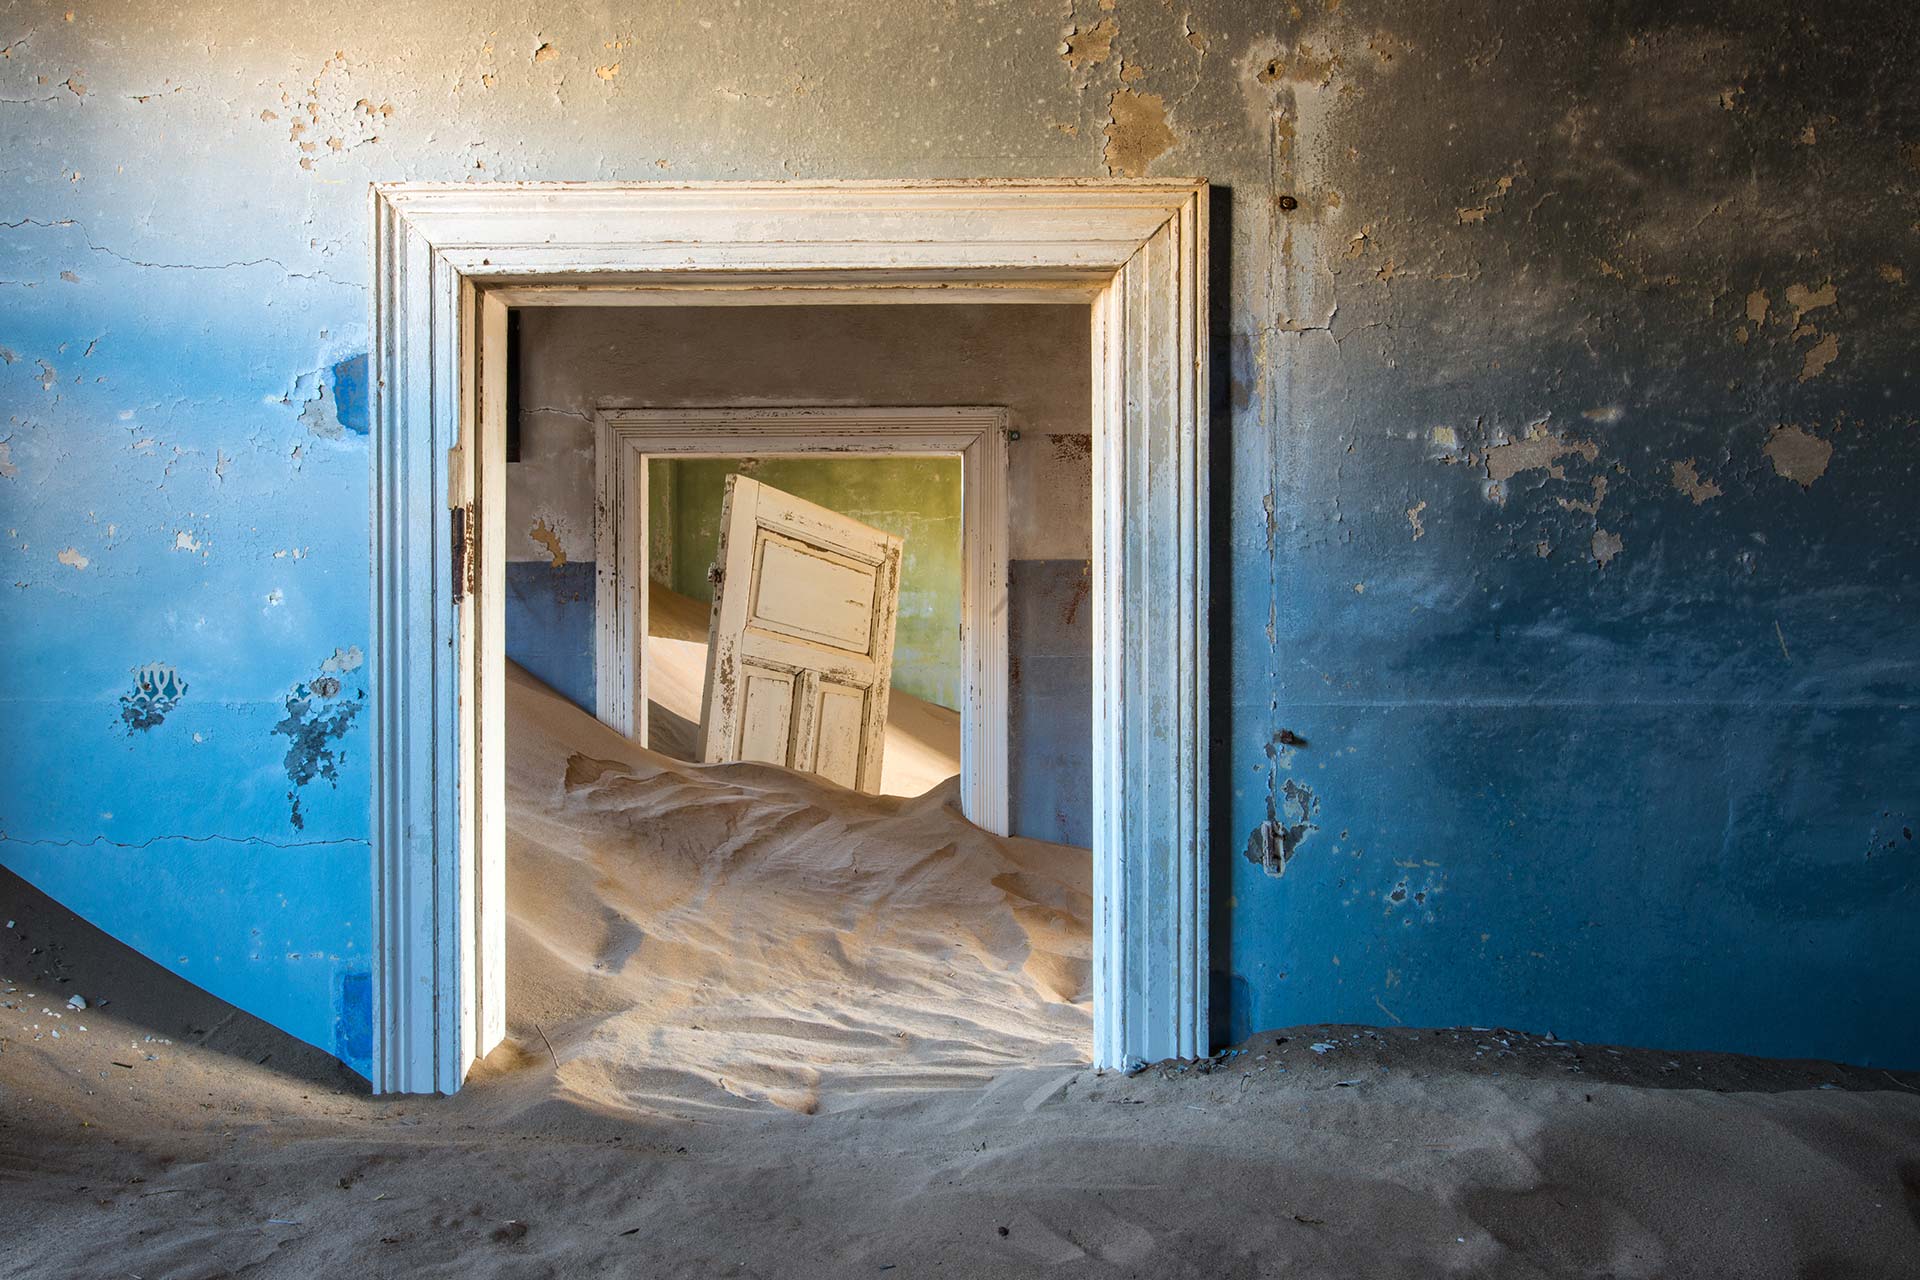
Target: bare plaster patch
[(1413, 518), (1082, 49), (1686, 479), (1606, 545), (1803, 299), (1757, 306), (545, 534), (1541, 450), (1819, 356), (1798, 455), (1137, 132), (72, 558)]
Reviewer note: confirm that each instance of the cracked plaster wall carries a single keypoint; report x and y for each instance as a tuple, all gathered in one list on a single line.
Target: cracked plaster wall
[(1565, 457)]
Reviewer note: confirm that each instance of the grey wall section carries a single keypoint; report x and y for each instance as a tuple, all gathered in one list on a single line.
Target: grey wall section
[(1035, 360), (1566, 444)]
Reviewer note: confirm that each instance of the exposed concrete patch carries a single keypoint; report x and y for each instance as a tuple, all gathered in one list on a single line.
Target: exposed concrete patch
[(1798, 455), (7, 470), (1137, 132), (1757, 306), (1606, 545), (1686, 479), (157, 689), (1413, 518)]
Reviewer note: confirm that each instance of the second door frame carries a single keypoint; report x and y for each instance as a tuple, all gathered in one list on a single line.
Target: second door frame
[(627, 437)]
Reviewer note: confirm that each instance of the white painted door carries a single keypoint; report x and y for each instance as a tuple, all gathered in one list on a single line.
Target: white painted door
[(800, 642)]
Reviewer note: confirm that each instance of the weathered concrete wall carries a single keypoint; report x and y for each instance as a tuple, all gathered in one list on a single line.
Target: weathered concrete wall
[(1566, 450)]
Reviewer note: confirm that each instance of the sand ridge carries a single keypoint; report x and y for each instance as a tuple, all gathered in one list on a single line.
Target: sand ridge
[(706, 933)]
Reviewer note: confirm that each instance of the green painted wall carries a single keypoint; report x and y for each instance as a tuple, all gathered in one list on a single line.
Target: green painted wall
[(916, 498)]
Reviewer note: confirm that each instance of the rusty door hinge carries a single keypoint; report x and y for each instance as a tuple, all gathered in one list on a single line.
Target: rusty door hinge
[(466, 552)]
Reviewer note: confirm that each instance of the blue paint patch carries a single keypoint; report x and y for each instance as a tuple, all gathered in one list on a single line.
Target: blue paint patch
[(350, 402), (550, 625), (353, 1022)]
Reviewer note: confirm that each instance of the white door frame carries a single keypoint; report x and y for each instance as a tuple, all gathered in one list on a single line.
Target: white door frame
[(626, 438), (448, 261)]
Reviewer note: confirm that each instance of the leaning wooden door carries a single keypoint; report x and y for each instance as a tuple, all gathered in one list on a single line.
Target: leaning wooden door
[(800, 642)]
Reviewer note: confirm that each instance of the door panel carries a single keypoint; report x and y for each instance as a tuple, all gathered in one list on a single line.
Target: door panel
[(766, 725), (839, 715), (810, 594), (800, 641)]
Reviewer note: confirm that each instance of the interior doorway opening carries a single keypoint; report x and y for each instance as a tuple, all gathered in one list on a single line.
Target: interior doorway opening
[(917, 499), (684, 921), (451, 260)]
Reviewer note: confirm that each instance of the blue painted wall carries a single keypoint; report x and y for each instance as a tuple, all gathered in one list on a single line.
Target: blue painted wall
[(1630, 761), (550, 625), (1050, 647)]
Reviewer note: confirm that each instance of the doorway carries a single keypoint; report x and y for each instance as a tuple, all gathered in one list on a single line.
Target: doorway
[(449, 262), (632, 443)]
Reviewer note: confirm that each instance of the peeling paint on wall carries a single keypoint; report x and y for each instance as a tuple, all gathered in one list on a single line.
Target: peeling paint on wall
[(1539, 450), (543, 533), (1797, 454), (1137, 132), (157, 689), (1686, 479), (1606, 545), (319, 713)]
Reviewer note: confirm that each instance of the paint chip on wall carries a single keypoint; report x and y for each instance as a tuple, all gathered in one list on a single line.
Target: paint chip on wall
[(1798, 455), (1137, 132)]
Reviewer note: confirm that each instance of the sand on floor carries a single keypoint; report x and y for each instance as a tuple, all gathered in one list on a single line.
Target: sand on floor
[(923, 738), (761, 1026)]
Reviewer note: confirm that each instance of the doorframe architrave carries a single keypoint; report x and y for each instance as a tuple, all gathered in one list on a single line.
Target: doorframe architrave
[(627, 437), (449, 259)]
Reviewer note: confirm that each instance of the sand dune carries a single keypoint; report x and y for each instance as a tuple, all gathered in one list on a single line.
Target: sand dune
[(923, 739), (164, 1133), (705, 933)]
